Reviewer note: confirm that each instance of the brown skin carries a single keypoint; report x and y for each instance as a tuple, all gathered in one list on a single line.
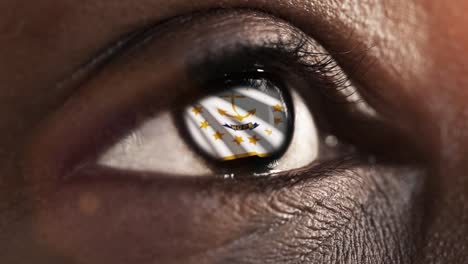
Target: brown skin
[(385, 213)]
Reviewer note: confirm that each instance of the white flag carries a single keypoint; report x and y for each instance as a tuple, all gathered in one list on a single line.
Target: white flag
[(241, 122)]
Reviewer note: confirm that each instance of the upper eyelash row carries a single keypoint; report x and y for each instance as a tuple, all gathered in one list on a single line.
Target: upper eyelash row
[(327, 66)]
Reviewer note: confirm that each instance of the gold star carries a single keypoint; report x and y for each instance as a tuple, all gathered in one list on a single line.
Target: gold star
[(254, 139), (204, 124), (238, 140), (218, 135), (278, 108), (268, 131), (197, 110), (278, 120)]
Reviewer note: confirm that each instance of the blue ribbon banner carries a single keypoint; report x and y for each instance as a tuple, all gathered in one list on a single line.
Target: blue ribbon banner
[(248, 126)]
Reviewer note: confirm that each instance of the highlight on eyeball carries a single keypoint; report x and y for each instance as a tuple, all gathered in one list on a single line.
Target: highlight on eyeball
[(247, 120)]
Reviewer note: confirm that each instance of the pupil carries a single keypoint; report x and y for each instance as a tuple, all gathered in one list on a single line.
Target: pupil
[(249, 119)]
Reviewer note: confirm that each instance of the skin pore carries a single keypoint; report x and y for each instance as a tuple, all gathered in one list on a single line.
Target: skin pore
[(414, 74)]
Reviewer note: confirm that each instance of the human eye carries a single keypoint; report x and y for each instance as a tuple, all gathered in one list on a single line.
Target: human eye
[(266, 100), (252, 124)]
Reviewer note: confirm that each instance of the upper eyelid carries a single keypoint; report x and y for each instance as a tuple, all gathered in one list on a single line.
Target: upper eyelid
[(272, 33), (132, 40), (129, 47)]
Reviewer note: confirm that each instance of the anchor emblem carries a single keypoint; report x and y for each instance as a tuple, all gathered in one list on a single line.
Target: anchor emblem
[(237, 116)]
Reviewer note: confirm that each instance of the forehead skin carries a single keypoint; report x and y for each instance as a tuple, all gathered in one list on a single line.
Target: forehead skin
[(419, 52)]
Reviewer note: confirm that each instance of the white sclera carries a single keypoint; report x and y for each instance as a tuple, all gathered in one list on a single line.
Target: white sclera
[(304, 146), (156, 146)]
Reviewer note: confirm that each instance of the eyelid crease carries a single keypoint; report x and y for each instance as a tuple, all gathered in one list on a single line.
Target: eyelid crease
[(135, 38)]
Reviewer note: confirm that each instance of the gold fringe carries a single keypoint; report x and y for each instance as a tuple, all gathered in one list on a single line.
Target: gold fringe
[(245, 155)]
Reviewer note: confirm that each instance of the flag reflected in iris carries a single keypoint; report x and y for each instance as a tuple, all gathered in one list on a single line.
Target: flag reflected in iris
[(241, 122)]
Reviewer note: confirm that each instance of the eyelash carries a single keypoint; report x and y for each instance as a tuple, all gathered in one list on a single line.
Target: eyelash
[(323, 73)]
